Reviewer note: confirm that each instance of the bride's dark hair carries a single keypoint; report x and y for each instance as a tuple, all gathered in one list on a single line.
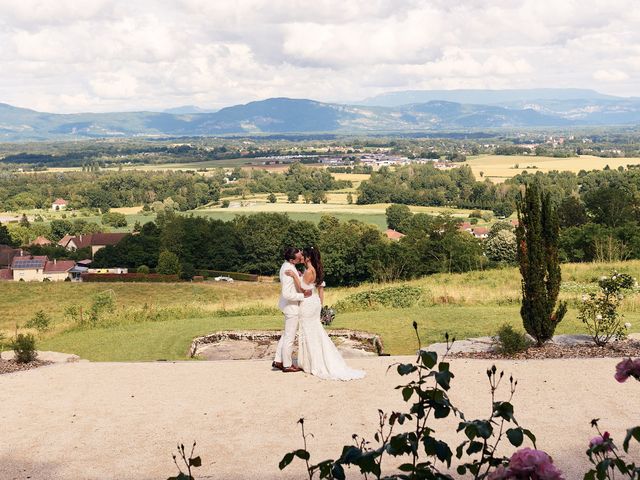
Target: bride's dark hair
[(313, 254)]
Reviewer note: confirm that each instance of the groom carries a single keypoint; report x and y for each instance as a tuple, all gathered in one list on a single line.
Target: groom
[(290, 305)]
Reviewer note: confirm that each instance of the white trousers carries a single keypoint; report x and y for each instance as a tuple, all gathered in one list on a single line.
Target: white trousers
[(287, 339)]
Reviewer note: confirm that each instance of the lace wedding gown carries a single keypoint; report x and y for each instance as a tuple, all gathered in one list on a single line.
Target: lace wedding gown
[(317, 354)]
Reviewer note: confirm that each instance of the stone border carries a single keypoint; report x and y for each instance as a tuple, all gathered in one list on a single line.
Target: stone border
[(370, 340)]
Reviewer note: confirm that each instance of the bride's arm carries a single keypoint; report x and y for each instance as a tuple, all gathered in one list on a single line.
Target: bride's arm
[(321, 293), (296, 280)]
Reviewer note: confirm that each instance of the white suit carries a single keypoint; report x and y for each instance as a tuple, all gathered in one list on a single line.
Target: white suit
[(290, 305)]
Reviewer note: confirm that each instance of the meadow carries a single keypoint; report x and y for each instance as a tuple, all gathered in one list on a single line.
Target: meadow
[(501, 167), (158, 321)]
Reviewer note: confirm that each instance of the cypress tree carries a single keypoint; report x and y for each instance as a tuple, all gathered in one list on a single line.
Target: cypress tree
[(537, 236)]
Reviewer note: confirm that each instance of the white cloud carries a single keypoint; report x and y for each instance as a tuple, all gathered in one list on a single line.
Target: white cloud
[(612, 75), (76, 55)]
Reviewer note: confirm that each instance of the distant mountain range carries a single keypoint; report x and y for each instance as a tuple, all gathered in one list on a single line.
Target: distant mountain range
[(411, 111)]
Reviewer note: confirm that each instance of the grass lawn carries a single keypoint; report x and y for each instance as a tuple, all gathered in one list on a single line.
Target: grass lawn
[(464, 305), (170, 340)]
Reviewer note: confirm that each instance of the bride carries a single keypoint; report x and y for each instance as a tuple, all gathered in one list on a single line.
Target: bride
[(317, 354)]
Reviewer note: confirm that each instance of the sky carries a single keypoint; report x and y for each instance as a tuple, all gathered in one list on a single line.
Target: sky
[(111, 55)]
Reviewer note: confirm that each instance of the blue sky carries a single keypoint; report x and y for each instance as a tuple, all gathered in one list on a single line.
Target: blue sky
[(101, 55)]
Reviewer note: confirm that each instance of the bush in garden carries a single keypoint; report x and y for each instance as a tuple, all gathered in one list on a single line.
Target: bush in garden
[(24, 347), (501, 247), (404, 296), (509, 341), (103, 302), (428, 457), (599, 311), (41, 321)]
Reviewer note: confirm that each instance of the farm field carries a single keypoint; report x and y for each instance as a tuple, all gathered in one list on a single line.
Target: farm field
[(336, 206), (373, 214), (209, 164), (500, 167), (158, 321)]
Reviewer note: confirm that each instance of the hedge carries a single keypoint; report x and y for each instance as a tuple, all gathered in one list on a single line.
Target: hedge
[(128, 277), (245, 277)]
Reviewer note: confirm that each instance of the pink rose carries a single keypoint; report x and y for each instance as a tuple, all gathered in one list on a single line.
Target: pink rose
[(528, 464), (627, 368), (600, 440), (500, 473)]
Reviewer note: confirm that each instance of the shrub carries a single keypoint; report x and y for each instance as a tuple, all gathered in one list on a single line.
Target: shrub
[(509, 341), (115, 219), (168, 263), (103, 302), (404, 296), (599, 311), (225, 204), (41, 321), (501, 247), (143, 269), (272, 198), (24, 346)]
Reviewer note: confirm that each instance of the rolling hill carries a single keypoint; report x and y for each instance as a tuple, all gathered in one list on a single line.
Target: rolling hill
[(475, 110)]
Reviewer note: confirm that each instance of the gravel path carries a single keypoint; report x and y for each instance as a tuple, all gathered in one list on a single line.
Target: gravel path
[(122, 420)]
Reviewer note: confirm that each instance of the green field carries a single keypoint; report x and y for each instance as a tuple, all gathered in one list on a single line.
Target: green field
[(500, 167), (465, 305)]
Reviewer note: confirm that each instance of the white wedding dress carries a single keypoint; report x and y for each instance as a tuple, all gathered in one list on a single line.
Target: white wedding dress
[(317, 354)]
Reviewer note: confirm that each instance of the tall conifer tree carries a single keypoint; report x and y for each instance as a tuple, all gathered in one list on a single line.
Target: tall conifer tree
[(537, 236)]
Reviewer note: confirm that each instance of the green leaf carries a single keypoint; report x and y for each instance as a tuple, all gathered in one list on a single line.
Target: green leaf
[(195, 462), (428, 359), (338, 472), (462, 470), (406, 393), (302, 454), (632, 432), (503, 410), (460, 449), (515, 436), (590, 475), (474, 447), (444, 379), (530, 435), (286, 460), (406, 368), (406, 467)]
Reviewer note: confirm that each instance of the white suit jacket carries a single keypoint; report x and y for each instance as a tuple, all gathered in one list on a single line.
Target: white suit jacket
[(289, 297)]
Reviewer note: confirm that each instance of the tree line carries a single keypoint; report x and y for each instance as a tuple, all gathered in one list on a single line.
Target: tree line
[(353, 252)]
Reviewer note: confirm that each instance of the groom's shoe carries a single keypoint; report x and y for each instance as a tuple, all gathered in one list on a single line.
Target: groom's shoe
[(291, 369), (277, 365)]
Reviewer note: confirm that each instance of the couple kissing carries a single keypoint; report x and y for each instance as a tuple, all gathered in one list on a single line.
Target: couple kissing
[(301, 300)]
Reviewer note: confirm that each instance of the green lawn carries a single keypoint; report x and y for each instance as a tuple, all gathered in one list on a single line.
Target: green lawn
[(378, 219), (464, 305), (170, 340)]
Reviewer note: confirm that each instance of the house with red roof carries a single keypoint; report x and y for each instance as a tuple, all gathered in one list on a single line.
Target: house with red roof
[(59, 204), (465, 227), (38, 268), (480, 232), (94, 240), (394, 235), (41, 241)]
